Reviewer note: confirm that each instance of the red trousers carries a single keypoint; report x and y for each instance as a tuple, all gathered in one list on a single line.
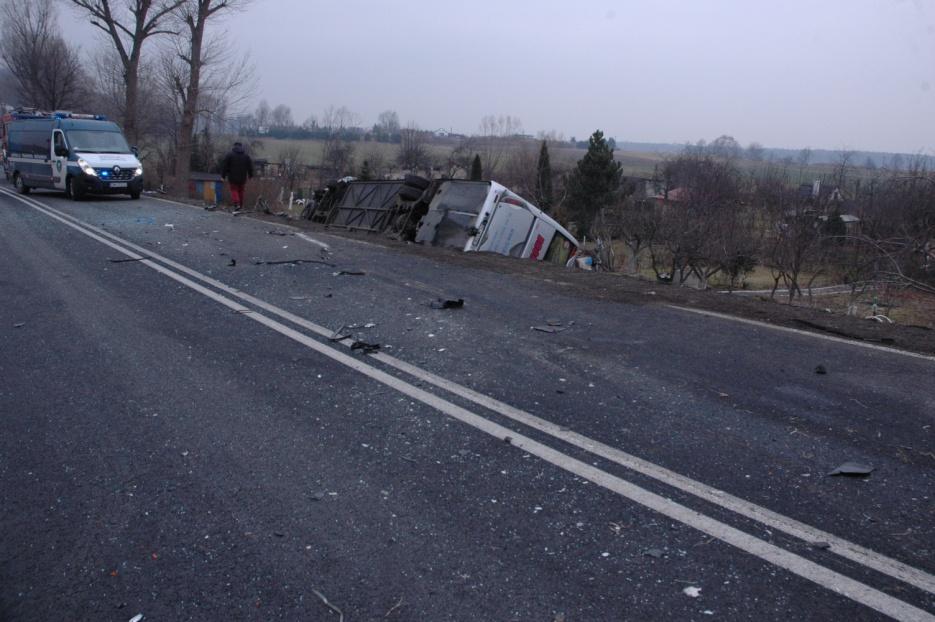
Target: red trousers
[(237, 191)]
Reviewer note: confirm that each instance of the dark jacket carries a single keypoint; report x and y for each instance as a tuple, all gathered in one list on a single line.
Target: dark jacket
[(237, 166)]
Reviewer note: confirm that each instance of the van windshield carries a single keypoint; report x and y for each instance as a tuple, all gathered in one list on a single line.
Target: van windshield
[(91, 141)]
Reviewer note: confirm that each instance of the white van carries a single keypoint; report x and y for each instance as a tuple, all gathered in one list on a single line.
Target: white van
[(80, 154)]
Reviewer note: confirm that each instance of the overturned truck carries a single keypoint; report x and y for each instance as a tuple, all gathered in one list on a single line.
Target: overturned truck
[(469, 215)]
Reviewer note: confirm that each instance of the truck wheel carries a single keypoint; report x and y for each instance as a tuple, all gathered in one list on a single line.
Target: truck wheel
[(21, 187), (408, 193), (414, 181)]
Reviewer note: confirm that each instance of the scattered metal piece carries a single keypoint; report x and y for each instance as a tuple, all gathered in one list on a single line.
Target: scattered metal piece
[(339, 334), (364, 347), (549, 329), (19, 325), (279, 233), (853, 469), (232, 263), (348, 273), (329, 605), (692, 591), (824, 546), (442, 303), (820, 369), (394, 607), (137, 618), (128, 259), (657, 553), (294, 262)]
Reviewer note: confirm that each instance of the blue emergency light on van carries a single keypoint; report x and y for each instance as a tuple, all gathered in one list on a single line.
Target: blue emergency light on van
[(81, 154)]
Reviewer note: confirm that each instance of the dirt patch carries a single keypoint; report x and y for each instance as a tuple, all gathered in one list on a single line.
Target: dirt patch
[(631, 290)]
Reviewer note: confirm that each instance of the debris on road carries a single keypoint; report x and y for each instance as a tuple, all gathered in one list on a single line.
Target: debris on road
[(294, 262), (394, 607), (339, 334), (692, 591), (19, 325), (823, 546), (127, 260), (231, 263), (137, 618), (170, 226), (441, 303), (820, 370), (329, 605), (348, 273), (279, 233), (553, 326), (364, 347), (657, 553), (853, 469)]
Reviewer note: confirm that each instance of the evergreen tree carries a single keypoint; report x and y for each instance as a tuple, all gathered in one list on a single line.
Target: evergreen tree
[(544, 179), (365, 173), (477, 172), (593, 183)]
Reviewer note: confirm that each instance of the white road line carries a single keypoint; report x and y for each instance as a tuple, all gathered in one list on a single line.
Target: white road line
[(854, 552), (298, 235), (313, 241), (785, 559), (805, 333)]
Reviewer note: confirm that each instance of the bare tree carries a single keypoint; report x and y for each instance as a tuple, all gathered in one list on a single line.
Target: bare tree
[(755, 152), (413, 153), (805, 156), (194, 15), (129, 23), (281, 116), (48, 73), (339, 120), (387, 125), (495, 139), (262, 116), (291, 165), (225, 84)]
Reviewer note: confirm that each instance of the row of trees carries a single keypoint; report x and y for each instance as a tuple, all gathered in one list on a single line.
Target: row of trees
[(164, 74), (703, 216)]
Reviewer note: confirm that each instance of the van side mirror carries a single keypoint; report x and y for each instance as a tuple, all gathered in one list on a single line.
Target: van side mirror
[(135, 150), (61, 151)]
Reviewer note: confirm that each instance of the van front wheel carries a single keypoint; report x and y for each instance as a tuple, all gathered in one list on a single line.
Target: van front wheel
[(134, 195), (21, 187), (72, 191)]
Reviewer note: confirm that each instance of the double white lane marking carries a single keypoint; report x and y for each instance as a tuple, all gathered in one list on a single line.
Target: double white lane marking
[(796, 564)]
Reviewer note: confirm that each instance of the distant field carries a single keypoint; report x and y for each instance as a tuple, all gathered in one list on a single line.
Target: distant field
[(634, 163)]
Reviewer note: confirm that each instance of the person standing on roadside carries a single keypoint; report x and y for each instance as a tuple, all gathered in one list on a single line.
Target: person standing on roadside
[(237, 168)]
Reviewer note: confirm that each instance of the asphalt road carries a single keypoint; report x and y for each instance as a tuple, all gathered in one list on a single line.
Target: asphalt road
[(180, 439)]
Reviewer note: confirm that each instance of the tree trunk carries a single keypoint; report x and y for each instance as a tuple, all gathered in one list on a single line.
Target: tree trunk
[(130, 125), (183, 154)]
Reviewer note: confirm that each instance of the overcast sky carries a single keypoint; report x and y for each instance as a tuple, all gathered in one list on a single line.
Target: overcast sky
[(787, 73)]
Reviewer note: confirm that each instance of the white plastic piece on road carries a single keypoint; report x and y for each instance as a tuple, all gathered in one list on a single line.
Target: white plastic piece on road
[(692, 591)]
